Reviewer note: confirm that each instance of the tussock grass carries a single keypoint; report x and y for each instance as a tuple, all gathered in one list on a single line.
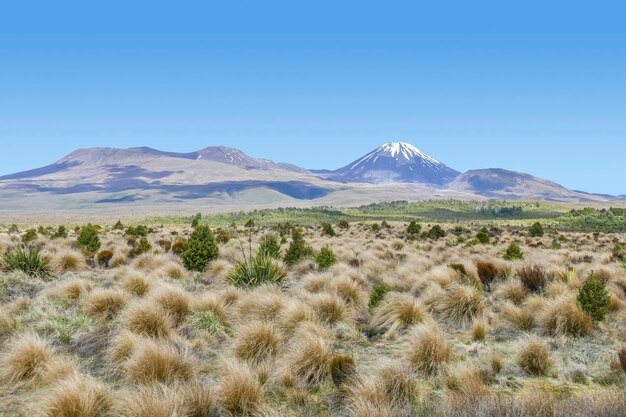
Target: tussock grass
[(398, 311), (154, 361), (257, 342), (309, 356), (26, 358), (174, 301), (239, 391), (136, 283), (70, 261), (428, 351), (460, 305), (105, 304), (77, 396), (147, 318), (563, 317), (534, 357)]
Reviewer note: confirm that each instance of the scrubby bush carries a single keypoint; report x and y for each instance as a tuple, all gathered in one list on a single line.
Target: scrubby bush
[(60, 233), (513, 252), (29, 236), (377, 295), (343, 224), (223, 236), (375, 227), (30, 261), (327, 229), (137, 231), (118, 225), (413, 229), (483, 236), (270, 246), (249, 223), (195, 221), (593, 298), (143, 246), (487, 272), (536, 230), (298, 249), (436, 232), (200, 250), (534, 278), (258, 270), (88, 239), (325, 258)]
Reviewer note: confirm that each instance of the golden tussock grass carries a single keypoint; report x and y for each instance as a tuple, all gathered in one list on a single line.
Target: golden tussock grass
[(329, 308), (522, 318), (155, 400), (155, 361), (105, 304), (397, 311), (428, 351), (309, 355), (239, 391), (26, 358), (256, 342), (174, 301), (460, 305), (77, 396), (262, 303), (69, 261), (135, 282), (121, 347), (534, 357), (147, 318), (563, 317), (71, 290)]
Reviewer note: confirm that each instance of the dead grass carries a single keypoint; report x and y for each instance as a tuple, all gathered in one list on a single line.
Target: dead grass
[(26, 358), (105, 304), (257, 342), (460, 305), (397, 312), (154, 361), (147, 318), (428, 351), (239, 391), (534, 357), (77, 396)]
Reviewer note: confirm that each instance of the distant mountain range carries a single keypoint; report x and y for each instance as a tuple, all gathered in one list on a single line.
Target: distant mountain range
[(229, 178)]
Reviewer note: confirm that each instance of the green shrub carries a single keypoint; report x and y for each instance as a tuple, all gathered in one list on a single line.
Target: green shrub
[(200, 250), (513, 252), (536, 230), (375, 227), (43, 231), (118, 225), (555, 245), (378, 293), (195, 221), (593, 298), (143, 246), (30, 261), (270, 246), (325, 258), (413, 229), (385, 225), (483, 236), (256, 271), (29, 236), (249, 223), (343, 224), (137, 231), (328, 230), (60, 233), (88, 239), (13, 228), (436, 232), (298, 248)]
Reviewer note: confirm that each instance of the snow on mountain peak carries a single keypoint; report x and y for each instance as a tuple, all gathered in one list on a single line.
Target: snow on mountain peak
[(406, 150)]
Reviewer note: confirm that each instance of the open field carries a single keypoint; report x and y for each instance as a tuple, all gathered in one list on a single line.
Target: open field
[(365, 315)]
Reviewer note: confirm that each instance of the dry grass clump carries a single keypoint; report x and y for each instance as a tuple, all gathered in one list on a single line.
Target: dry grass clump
[(523, 318), (263, 303), (309, 355), (293, 315), (466, 386), (534, 278), (26, 358), (155, 400), (154, 361), (147, 318), (173, 300), (389, 392), (329, 308), (622, 358), (72, 289), (350, 292), (534, 357), (257, 342), (136, 283), (563, 317), (77, 396), (199, 401), (9, 323), (239, 391), (105, 303), (429, 352), (70, 261), (122, 346), (460, 304), (512, 290), (398, 311), (479, 330)]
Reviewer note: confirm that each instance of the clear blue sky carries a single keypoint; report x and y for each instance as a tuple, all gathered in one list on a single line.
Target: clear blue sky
[(532, 86)]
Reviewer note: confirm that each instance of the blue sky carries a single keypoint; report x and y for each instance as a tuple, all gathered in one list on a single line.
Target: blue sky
[(527, 86)]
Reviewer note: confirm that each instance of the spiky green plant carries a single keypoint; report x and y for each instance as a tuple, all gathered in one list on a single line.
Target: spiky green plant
[(30, 261), (253, 271)]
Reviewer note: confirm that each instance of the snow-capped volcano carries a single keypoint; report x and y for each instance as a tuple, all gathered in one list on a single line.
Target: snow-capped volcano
[(396, 162)]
